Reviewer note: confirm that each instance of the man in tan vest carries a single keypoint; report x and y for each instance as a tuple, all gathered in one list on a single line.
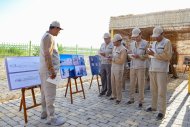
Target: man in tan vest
[(160, 53), (105, 69), (118, 59), (138, 66), (49, 66)]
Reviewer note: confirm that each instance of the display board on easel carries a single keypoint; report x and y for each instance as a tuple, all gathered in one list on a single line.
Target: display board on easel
[(95, 63), (22, 73), (72, 67)]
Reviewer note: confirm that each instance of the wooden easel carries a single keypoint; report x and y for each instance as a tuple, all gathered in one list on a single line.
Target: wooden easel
[(97, 82), (23, 101), (186, 68), (69, 84)]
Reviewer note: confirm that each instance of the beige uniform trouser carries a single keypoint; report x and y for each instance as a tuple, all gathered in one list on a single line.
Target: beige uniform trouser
[(116, 83), (147, 79), (158, 86), (137, 76), (48, 93)]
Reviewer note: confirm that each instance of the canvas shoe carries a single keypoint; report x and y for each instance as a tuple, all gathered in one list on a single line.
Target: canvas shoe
[(55, 121), (43, 115)]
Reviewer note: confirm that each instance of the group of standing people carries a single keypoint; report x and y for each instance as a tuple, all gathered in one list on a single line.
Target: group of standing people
[(157, 55), (113, 61), (113, 56)]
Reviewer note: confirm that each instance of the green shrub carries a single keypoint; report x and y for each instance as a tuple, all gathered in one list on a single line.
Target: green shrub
[(36, 51), (60, 48)]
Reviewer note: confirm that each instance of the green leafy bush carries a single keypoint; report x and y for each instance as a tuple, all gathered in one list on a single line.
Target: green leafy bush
[(36, 50)]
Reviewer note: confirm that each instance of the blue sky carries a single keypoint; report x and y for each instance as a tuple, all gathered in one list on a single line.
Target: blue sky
[(8, 8), (6, 4), (84, 21)]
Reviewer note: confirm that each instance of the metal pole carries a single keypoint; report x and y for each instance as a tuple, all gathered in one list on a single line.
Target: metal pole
[(90, 50), (76, 48), (30, 45)]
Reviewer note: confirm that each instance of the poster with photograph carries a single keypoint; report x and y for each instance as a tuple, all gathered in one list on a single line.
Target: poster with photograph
[(81, 60), (22, 72), (66, 59), (80, 70), (67, 71), (75, 60), (78, 60), (72, 66), (95, 64)]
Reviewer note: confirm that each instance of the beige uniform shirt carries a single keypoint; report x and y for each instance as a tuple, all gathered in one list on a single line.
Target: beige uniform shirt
[(162, 56), (48, 45), (107, 49), (119, 55), (141, 51)]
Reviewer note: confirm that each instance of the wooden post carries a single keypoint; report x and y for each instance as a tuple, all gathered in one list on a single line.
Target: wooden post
[(69, 84), (71, 93), (68, 81), (97, 82), (24, 105), (82, 87), (23, 102), (91, 81)]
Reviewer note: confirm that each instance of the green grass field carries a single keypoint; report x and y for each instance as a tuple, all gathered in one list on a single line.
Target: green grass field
[(10, 49)]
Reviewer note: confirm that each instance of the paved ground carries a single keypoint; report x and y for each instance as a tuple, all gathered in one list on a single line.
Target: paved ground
[(101, 112)]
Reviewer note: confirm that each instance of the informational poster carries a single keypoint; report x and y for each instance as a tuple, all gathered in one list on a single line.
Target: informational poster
[(95, 64), (72, 66), (80, 70), (22, 72), (20, 64)]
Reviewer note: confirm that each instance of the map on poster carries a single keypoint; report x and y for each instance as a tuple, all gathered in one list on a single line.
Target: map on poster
[(72, 66), (22, 72), (95, 63)]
